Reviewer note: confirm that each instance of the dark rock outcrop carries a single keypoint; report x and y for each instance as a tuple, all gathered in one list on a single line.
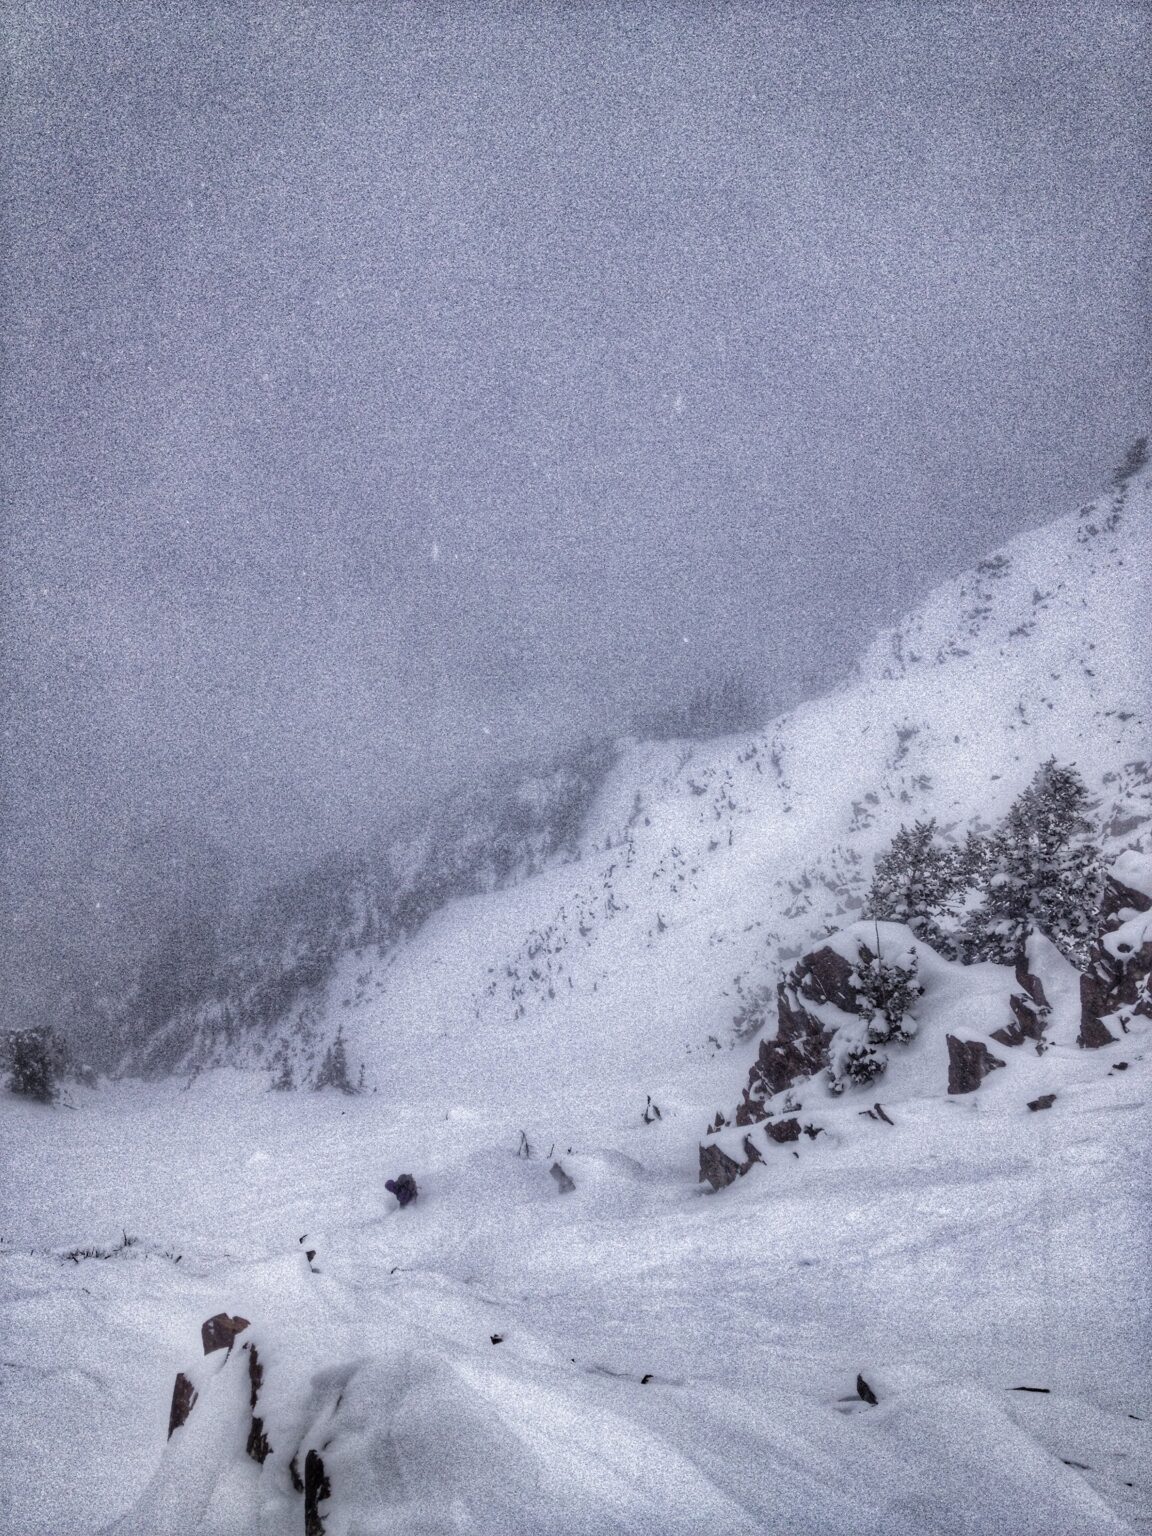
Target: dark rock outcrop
[(1030, 1009), (969, 1063), (219, 1332), (183, 1397), (1045, 1101), (783, 1130), (1118, 981), (258, 1447), (317, 1488), (800, 1047), (716, 1167), (564, 1181)]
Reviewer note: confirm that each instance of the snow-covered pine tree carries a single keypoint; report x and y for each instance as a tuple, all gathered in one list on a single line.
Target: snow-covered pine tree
[(887, 988), (1043, 872), (917, 882)]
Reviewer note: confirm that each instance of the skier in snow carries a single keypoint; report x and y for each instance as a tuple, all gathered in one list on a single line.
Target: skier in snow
[(404, 1188)]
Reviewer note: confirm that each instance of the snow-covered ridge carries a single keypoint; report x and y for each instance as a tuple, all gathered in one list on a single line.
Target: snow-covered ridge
[(1087, 572)]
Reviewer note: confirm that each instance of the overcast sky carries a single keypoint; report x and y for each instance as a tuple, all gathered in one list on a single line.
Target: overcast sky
[(394, 387)]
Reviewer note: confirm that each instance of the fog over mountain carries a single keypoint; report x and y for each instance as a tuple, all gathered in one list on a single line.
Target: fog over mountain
[(394, 391)]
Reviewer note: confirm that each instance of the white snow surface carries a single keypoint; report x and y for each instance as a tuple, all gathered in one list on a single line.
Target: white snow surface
[(669, 1359)]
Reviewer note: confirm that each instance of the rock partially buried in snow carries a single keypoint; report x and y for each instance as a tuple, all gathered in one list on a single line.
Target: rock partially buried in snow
[(183, 1399), (1030, 1009), (317, 1489), (836, 1010), (258, 1447), (969, 1063), (783, 1130), (564, 1182), (220, 1331), (1045, 1101), (800, 1047), (717, 1168)]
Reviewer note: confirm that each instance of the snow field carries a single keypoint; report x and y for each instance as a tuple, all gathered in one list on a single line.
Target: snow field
[(967, 1249)]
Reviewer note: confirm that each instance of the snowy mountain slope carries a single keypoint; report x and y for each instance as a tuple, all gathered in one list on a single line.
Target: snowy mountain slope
[(639, 1354), (706, 866), (742, 851), (215, 984)]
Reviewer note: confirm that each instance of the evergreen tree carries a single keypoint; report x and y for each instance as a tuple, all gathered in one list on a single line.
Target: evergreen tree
[(917, 882), (1042, 872), (887, 989), (285, 1079), (33, 1059), (719, 706), (333, 1071)]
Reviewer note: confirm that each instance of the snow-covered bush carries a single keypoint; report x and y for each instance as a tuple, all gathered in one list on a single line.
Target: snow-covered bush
[(887, 988)]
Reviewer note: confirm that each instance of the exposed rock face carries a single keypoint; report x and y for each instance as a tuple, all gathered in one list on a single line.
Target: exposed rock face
[(220, 1331), (1118, 982), (317, 1488), (258, 1447), (801, 1044), (183, 1397), (1045, 1101), (969, 1063), (1030, 1009), (717, 1168), (783, 1130)]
